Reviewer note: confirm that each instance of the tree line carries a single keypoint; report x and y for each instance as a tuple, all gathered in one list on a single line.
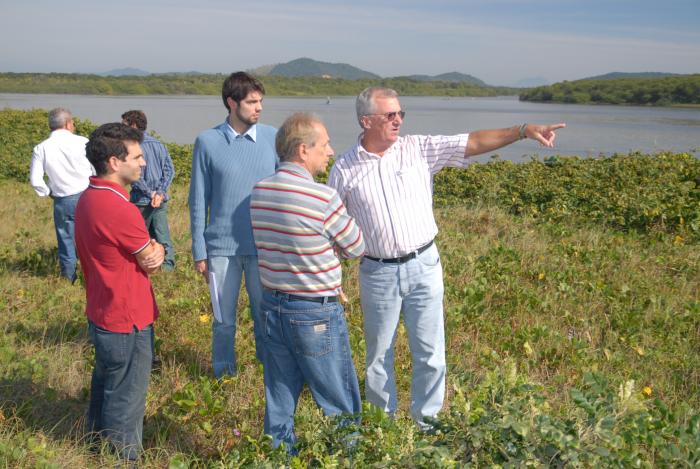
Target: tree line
[(674, 90), (210, 84)]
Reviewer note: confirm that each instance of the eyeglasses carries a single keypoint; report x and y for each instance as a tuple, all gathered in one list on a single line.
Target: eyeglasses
[(390, 116)]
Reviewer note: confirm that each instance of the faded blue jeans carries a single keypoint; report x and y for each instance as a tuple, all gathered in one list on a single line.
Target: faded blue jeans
[(305, 342), (156, 220), (416, 289), (119, 384), (64, 222), (229, 274)]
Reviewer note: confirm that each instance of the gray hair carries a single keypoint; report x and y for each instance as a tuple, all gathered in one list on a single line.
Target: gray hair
[(296, 129), (59, 117), (365, 100)]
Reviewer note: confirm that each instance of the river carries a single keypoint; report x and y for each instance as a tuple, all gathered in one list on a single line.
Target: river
[(591, 130)]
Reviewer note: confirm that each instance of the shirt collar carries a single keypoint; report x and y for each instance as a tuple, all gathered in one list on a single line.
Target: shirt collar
[(362, 150), (61, 132), (251, 133), (103, 184), (296, 169)]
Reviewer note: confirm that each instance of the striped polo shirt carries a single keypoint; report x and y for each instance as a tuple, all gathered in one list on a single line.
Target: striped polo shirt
[(391, 196), (297, 223)]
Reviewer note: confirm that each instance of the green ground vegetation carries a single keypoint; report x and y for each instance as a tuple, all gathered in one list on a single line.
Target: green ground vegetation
[(666, 91), (210, 84), (572, 323)]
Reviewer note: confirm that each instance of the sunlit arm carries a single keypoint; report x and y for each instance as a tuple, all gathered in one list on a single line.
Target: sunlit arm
[(151, 257), (36, 175), (482, 141)]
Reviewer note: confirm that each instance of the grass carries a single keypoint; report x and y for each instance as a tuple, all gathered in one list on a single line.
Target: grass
[(544, 305), (572, 325)]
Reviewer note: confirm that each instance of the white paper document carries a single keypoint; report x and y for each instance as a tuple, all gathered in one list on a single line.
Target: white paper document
[(214, 294)]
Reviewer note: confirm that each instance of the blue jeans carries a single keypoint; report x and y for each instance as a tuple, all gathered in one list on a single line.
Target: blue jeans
[(305, 342), (119, 384), (156, 220), (229, 273), (64, 222), (416, 288)]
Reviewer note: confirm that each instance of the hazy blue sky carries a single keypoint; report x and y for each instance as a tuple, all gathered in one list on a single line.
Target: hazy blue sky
[(499, 41)]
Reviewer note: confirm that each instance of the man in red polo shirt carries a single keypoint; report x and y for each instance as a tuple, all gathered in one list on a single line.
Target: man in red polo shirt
[(117, 254)]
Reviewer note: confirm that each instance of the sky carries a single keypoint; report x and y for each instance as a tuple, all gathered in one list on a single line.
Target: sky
[(498, 41)]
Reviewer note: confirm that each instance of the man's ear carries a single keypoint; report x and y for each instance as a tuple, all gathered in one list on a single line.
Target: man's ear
[(302, 152), (113, 163), (233, 105), (365, 122)]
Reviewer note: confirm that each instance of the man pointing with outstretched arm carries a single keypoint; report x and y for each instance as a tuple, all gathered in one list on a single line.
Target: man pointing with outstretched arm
[(385, 181)]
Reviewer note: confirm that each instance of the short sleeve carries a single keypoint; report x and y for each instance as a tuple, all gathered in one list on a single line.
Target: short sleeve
[(129, 230)]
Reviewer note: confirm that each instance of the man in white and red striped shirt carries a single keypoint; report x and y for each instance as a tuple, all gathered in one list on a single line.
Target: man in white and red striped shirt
[(386, 183), (298, 225)]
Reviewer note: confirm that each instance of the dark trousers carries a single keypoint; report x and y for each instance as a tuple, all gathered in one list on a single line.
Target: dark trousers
[(157, 224), (119, 384)]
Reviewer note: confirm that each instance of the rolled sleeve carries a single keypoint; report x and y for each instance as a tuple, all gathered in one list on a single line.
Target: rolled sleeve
[(36, 174)]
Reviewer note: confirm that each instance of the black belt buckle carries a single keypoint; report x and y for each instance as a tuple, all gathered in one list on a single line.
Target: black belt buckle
[(403, 259)]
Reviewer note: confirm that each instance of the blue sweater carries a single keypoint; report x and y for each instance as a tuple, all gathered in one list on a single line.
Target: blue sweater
[(224, 170)]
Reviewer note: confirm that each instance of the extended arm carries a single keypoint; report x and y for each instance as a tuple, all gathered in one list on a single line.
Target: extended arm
[(482, 141)]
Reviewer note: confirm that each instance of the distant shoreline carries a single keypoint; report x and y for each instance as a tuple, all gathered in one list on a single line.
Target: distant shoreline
[(352, 96), (210, 85), (267, 95), (679, 90)]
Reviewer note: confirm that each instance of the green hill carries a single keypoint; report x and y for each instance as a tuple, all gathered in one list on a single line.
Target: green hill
[(456, 77), (309, 67), (616, 75), (663, 91)]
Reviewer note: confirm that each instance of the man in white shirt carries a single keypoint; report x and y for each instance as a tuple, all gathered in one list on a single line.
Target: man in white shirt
[(386, 183), (61, 157)]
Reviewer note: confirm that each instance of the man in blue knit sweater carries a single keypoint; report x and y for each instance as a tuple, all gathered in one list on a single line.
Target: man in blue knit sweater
[(226, 163)]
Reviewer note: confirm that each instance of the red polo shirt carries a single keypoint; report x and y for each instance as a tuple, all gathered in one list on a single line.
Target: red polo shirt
[(109, 232)]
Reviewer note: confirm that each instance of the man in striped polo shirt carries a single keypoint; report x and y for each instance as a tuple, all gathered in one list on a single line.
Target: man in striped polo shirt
[(227, 161), (297, 225), (386, 182)]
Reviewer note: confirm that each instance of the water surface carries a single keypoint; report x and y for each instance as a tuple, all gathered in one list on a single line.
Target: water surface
[(592, 130)]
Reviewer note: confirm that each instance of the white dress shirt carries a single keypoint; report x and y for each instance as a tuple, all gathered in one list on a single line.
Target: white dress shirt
[(391, 196), (62, 158)]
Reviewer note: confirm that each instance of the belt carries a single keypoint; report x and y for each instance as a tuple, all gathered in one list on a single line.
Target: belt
[(402, 259), (313, 299)]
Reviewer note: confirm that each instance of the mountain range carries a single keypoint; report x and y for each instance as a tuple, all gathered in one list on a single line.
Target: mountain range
[(309, 67), (305, 66)]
